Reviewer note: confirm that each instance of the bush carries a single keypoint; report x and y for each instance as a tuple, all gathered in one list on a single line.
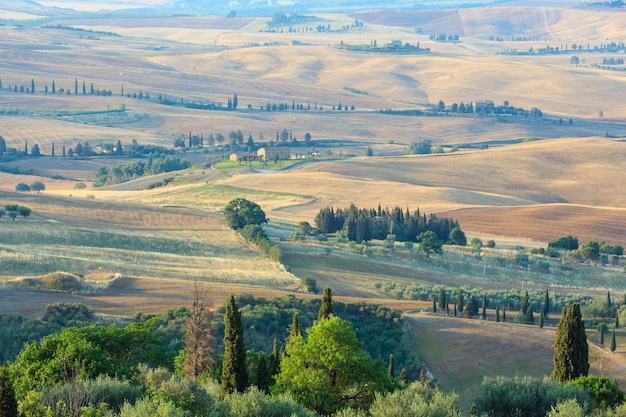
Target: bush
[(151, 407), (416, 400), (526, 396), (310, 284), (80, 186), (71, 397), (255, 403)]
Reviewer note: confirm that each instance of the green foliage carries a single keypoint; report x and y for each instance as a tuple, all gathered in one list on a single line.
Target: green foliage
[(326, 309), (130, 171), (8, 403), (241, 212), (429, 243), (604, 391), (526, 396), (255, 403), (23, 187), (571, 351), (70, 398), (38, 186), (416, 400), (338, 372), (186, 394), (422, 147), (16, 330), (567, 408), (565, 243), (310, 284), (68, 314), (491, 243), (152, 407), (457, 237), (234, 372), (471, 307)]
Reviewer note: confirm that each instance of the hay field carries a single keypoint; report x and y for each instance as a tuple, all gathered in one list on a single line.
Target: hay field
[(135, 241), (536, 190)]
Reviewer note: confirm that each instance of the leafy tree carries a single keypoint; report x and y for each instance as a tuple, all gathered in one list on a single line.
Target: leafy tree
[(23, 187), (234, 371), (567, 243), (326, 309), (38, 186), (457, 237), (23, 211), (8, 403), (571, 351), (329, 370), (476, 244), (429, 243), (603, 390), (491, 243), (241, 212), (35, 151)]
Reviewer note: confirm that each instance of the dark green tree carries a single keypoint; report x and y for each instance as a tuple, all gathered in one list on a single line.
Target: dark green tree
[(608, 299), (526, 310), (434, 304), (457, 237), (391, 371), (263, 376), (38, 186), (617, 319), (571, 351), (369, 151), (613, 345), (326, 309), (484, 313), (8, 403), (234, 371), (541, 320), (546, 304), (295, 330), (3, 146), (403, 376), (443, 298), (34, 151), (241, 212), (471, 308), (460, 304), (429, 243), (602, 328), (497, 313)]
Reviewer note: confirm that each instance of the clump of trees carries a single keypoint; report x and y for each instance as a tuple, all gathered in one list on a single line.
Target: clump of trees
[(132, 170), (361, 225), (15, 210)]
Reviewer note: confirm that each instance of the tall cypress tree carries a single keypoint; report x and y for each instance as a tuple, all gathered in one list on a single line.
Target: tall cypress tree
[(8, 404), (391, 371), (571, 351), (326, 309), (497, 313), (602, 334), (263, 377), (434, 304), (295, 330), (443, 299), (234, 371), (546, 304), (608, 299), (613, 345), (541, 320), (459, 301), (484, 313)]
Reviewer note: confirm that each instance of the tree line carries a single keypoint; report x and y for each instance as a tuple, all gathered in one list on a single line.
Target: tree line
[(155, 164), (366, 224)]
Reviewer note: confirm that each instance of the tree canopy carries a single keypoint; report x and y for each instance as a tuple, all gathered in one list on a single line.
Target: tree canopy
[(241, 212), (571, 351)]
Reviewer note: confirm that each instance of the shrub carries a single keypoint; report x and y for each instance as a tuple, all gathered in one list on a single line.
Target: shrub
[(416, 400), (23, 187), (255, 403), (151, 407), (310, 284), (80, 186)]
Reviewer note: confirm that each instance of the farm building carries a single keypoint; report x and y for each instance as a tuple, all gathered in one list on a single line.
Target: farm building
[(243, 156), (272, 154)]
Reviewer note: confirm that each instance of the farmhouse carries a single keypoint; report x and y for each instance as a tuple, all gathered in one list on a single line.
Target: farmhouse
[(243, 156), (272, 154)]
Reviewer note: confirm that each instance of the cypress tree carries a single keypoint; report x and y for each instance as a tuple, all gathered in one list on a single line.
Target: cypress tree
[(8, 404), (234, 372), (484, 314), (541, 320), (504, 314), (295, 330), (613, 345), (403, 376), (263, 377), (546, 304), (459, 301), (442, 298), (391, 371), (571, 352), (608, 299), (434, 304), (326, 309), (497, 313), (602, 334), (454, 310)]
